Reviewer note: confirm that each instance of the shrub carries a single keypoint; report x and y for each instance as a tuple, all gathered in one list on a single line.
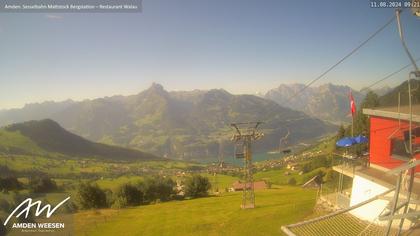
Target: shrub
[(91, 196), (42, 184), (197, 186)]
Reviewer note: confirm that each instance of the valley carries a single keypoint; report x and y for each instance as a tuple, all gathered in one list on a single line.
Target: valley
[(36, 151), (181, 125), (111, 185)]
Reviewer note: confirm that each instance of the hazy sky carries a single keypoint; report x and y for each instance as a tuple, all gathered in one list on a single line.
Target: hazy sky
[(240, 45)]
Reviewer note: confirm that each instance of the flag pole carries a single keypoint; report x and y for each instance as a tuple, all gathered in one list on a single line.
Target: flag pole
[(352, 111)]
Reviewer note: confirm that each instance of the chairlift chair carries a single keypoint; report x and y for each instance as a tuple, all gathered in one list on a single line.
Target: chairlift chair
[(285, 141), (287, 151), (239, 150)]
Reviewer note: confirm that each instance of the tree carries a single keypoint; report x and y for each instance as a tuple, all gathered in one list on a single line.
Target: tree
[(166, 188), (157, 188), (320, 161), (149, 189), (291, 181), (42, 184), (3, 229), (361, 123), (6, 171), (4, 205), (331, 177), (9, 183), (128, 195), (91, 196), (197, 186), (341, 132), (306, 168)]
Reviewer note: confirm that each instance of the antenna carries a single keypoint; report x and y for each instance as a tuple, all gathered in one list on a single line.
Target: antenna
[(245, 134)]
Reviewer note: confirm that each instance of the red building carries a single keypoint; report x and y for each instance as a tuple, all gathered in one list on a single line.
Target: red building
[(389, 135), (377, 196), (388, 149)]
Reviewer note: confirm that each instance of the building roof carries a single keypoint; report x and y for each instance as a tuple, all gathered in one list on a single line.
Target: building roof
[(257, 185), (379, 177), (392, 112), (312, 182), (376, 174)]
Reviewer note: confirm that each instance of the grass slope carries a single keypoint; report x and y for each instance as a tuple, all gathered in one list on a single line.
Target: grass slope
[(205, 216), (14, 142), (220, 182), (278, 176)]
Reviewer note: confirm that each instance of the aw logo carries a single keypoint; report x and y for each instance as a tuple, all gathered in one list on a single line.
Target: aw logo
[(24, 209)]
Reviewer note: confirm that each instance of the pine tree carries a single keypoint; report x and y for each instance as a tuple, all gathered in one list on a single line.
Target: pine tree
[(361, 122)]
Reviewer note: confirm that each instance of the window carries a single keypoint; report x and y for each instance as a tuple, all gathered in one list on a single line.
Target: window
[(399, 149)]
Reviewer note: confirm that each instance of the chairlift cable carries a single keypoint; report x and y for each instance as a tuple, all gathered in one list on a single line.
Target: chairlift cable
[(389, 75), (344, 58)]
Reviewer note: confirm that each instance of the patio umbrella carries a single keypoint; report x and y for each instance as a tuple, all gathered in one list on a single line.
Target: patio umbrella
[(345, 142), (361, 139)]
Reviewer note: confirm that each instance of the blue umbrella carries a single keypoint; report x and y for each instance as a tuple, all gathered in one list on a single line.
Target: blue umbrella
[(361, 139), (345, 142)]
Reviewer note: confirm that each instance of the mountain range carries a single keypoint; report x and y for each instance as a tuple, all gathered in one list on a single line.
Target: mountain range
[(48, 138), (327, 102), (184, 125), (391, 98)]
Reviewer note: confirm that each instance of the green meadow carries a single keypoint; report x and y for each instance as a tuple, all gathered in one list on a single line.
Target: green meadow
[(217, 215), (220, 182), (282, 176)]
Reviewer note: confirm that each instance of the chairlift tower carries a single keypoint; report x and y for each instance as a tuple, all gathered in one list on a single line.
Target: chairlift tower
[(245, 134)]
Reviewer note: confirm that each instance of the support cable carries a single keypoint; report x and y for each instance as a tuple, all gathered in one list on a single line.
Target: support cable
[(344, 58)]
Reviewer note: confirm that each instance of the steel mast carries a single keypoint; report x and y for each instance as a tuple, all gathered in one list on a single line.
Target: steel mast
[(245, 134)]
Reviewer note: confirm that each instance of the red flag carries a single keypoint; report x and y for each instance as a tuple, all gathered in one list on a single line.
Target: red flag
[(352, 105)]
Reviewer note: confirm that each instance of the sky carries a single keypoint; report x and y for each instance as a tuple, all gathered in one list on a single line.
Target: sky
[(243, 46)]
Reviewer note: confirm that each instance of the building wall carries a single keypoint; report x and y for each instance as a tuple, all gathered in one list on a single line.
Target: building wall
[(380, 144), (364, 189)]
